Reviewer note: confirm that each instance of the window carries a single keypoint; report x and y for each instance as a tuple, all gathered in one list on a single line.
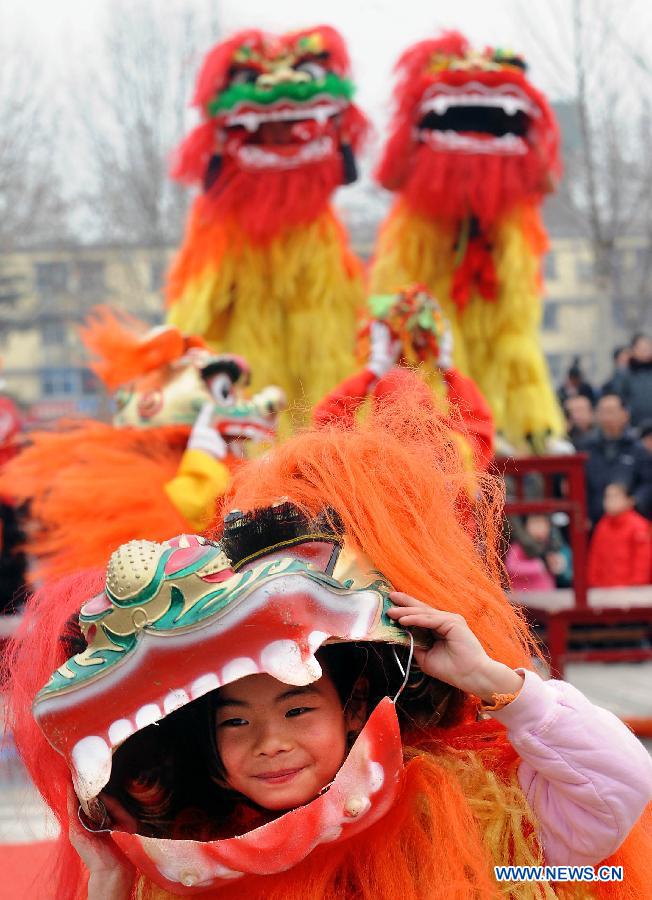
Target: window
[(584, 270), (53, 333), (51, 277), (550, 266), (60, 382), (91, 277), (90, 383), (551, 317)]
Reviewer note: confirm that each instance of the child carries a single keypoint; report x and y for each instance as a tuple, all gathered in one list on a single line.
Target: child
[(620, 553), (538, 558), (430, 808), (408, 329)]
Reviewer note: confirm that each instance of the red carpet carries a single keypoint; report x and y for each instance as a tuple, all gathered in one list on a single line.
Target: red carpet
[(19, 864)]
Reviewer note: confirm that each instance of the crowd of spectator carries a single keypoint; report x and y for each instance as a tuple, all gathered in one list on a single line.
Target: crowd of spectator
[(613, 426)]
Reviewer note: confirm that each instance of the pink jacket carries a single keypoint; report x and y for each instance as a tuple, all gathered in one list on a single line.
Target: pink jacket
[(586, 777), (527, 573)]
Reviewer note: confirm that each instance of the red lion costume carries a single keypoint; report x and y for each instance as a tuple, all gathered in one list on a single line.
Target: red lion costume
[(473, 149), (397, 489), (265, 270)]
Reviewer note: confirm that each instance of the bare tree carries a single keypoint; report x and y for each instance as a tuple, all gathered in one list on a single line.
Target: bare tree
[(599, 61), (32, 209), (132, 110)]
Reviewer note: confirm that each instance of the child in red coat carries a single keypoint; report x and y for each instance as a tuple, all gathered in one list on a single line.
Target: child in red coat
[(620, 554)]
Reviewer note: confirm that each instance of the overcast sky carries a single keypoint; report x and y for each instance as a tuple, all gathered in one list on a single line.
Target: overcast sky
[(376, 30), (66, 33)]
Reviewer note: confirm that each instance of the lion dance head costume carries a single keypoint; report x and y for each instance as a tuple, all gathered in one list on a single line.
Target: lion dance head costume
[(265, 270), (92, 485), (408, 329), (473, 149), (322, 527)]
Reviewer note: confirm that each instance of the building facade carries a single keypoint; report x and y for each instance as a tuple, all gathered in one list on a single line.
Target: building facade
[(46, 370), (44, 364)]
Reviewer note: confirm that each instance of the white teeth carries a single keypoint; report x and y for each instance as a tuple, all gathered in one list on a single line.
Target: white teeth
[(376, 776), (356, 806), (175, 700), (252, 120), (440, 105), (238, 668), (463, 143), (91, 759), (187, 866), (316, 639), (509, 103), (119, 731), (148, 714), (368, 607), (204, 684), (282, 660), (257, 157)]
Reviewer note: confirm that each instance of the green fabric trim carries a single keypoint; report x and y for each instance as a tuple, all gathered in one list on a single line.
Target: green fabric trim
[(299, 91)]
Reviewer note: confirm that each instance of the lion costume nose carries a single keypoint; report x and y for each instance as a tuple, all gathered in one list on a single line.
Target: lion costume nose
[(284, 74)]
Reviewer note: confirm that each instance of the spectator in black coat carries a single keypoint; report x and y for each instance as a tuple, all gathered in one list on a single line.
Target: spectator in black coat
[(615, 454), (580, 419), (575, 384), (634, 384), (644, 504), (621, 357), (645, 435)]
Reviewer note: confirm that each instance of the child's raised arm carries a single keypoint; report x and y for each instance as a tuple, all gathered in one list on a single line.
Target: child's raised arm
[(585, 775)]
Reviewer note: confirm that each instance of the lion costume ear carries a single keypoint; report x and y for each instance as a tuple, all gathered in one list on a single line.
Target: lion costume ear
[(124, 347)]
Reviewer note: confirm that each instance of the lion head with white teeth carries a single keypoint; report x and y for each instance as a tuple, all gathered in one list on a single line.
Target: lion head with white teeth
[(178, 620), (277, 116), (470, 133)]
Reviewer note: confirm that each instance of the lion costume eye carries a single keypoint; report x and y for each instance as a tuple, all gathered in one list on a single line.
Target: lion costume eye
[(316, 71), (245, 75), (221, 388)]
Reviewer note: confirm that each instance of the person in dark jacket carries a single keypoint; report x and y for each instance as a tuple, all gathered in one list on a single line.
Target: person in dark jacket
[(634, 384), (645, 435), (644, 494), (575, 384), (615, 454), (580, 419), (621, 358)]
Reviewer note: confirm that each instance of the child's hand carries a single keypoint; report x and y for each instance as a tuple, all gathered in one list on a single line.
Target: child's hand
[(110, 875), (457, 656), (556, 563), (385, 349)]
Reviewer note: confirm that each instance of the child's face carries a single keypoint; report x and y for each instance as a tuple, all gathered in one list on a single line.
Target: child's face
[(538, 527), (616, 500), (279, 744)]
